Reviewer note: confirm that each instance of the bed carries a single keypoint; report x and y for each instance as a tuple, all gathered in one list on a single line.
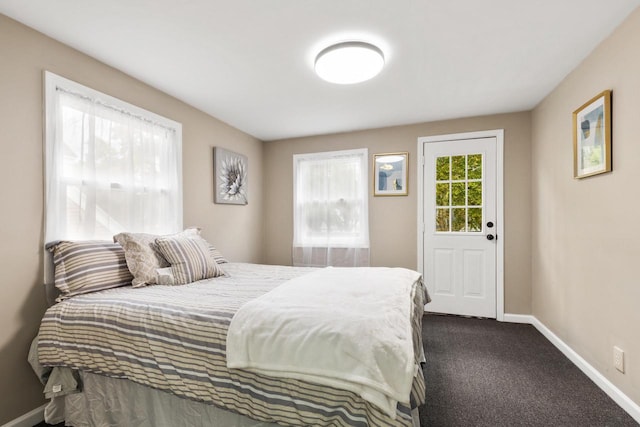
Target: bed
[(156, 356)]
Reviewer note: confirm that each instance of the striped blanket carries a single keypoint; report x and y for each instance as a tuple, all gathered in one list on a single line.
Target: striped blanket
[(173, 339)]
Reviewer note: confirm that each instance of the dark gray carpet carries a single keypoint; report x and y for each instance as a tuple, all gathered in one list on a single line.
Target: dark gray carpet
[(481, 372), (486, 373)]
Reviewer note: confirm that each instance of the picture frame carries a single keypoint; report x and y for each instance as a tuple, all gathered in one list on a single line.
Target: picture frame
[(592, 136), (230, 182), (390, 174)]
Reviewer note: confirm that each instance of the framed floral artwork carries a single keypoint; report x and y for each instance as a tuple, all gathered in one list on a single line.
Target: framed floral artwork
[(230, 177), (592, 136)]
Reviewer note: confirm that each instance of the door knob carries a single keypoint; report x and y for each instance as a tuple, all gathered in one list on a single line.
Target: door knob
[(490, 237)]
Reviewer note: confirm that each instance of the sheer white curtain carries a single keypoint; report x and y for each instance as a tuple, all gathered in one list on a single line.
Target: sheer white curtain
[(331, 216), (110, 166)]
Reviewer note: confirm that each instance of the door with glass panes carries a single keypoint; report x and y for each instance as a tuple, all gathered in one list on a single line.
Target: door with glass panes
[(460, 230)]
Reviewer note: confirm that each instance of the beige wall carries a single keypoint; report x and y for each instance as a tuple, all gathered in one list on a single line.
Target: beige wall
[(393, 220), (586, 243), (570, 245), (24, 54)]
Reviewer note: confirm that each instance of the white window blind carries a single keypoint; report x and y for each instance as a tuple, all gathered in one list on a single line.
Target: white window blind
[(110, 166), (331, 217)]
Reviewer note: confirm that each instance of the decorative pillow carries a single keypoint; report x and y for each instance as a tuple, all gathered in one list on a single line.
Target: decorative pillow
[(88, 266), (142, 257), (217, 255), (190, 258), (164, 276)]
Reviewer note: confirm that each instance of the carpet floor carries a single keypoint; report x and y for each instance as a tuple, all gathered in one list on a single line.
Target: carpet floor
[(481, 372)]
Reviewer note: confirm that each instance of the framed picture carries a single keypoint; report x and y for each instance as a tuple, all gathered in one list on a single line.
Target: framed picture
[(230, 177), (390, 174), (592, 137)]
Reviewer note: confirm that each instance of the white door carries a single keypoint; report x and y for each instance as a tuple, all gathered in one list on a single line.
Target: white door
[(460, 226)]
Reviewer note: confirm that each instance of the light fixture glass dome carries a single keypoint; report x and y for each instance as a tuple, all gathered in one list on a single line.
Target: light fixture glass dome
[(349, 62)]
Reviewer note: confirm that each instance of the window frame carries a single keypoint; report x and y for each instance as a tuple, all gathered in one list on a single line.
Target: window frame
[(363, 238), (52, 82)]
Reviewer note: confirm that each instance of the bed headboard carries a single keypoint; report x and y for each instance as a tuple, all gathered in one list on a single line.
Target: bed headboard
[(50, 290)]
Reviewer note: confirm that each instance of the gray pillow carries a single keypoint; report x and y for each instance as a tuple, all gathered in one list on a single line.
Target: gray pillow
[(82, 267), (190, 258)]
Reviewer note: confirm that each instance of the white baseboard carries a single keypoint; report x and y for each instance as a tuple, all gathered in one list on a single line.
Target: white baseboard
[(601, 381), (518, 318), (29, 419)]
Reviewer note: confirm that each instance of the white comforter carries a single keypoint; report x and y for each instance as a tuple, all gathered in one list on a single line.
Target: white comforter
[(348, 328)]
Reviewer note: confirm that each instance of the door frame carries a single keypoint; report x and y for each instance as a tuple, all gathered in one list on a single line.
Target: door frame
[(498, 134)]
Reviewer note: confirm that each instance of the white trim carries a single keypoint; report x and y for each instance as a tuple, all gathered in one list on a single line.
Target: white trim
[(498, 134), (29, 419), (632, 408), (518, 318)]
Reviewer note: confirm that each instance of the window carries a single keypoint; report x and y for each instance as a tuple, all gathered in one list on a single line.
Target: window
[(110, 166), (459, 193), (331, 218)]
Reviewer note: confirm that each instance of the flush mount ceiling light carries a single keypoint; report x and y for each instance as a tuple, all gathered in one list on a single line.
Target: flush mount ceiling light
[(349, 62)]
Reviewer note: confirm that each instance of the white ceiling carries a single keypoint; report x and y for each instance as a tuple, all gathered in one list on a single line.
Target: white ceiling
[(250, 62)]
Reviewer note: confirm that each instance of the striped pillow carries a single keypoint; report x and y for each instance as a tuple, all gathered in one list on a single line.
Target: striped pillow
[(217, 255), (190, 258), (82, 267)]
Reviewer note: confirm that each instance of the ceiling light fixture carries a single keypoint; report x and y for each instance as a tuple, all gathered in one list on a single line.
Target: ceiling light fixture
[(349, 62)]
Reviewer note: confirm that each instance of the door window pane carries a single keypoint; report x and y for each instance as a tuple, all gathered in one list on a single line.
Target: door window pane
[(458, 168), (474, 220), (474, 193), (442, 194), (459, 194), (442, 220), (442, 168), (474, 168), (458, 220)]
